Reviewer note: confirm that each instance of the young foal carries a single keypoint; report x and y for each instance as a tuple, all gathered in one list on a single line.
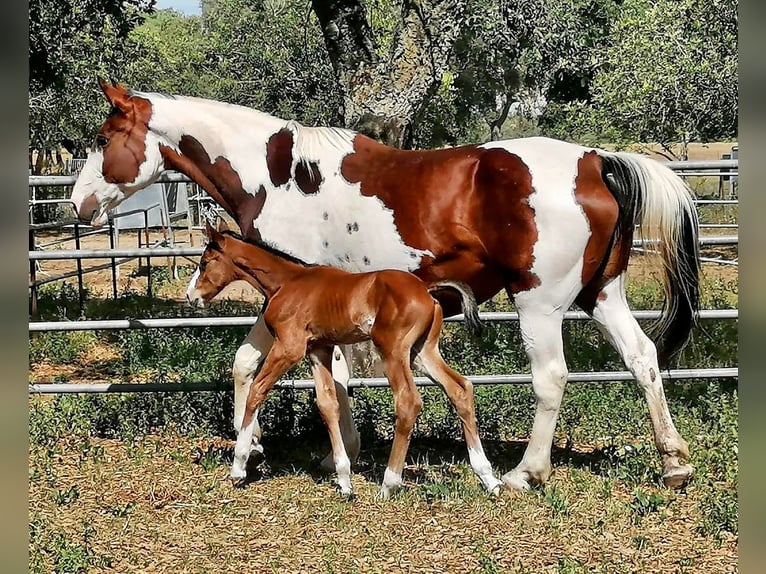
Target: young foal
[(311, 308)]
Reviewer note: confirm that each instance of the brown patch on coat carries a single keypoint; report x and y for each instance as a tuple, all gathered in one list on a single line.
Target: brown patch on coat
[(279, 156), (218, 179), (466, 205), (607, 251), (126, 129), (308, 177)]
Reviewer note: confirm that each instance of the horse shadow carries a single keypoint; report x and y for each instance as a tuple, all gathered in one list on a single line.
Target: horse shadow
[(288, 456)]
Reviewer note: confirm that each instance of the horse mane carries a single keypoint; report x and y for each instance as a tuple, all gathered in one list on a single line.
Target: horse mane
[(311, 141), (266, 247)]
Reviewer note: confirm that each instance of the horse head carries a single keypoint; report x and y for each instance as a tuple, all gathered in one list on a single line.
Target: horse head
[(125, 156), (215, 270)]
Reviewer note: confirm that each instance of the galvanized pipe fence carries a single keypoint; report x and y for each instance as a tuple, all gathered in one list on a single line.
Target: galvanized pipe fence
[(685, 169)]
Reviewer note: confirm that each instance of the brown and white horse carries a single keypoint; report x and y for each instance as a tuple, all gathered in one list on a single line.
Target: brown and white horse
[(310, 308), (550, 222)]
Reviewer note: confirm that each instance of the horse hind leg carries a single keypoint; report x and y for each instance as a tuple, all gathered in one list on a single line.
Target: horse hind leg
[(407, 405), (614, 318), (541, 333), (459, 390)]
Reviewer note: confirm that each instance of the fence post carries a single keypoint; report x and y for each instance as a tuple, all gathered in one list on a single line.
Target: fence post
[(32, 276)]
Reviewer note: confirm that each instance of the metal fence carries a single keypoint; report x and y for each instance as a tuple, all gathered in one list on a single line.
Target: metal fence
[(719, 168)]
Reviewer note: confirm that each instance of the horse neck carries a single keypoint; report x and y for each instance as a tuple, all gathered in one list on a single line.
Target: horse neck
[(264, 270), (216, 145)]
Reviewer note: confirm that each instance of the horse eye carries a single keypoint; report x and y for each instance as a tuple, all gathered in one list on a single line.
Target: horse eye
[(101, 140), (202, 265)]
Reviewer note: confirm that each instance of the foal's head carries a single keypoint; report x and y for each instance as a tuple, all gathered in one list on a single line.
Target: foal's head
[(215, 271)]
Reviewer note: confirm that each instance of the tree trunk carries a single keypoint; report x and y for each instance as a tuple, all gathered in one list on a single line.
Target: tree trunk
[(383, 97)]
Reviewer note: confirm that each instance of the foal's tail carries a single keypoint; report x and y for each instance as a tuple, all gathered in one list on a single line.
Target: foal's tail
[(656, 200), (470, 307)]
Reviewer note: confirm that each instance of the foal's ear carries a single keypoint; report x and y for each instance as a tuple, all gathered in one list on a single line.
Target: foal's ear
[(117, 94), (222, 226), (211, 233)]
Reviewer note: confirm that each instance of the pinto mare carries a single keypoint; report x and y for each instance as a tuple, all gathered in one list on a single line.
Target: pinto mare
[(311, 308), (549, 222)]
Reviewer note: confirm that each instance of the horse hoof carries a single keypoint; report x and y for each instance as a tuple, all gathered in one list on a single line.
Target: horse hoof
[(238, 483), (494, 490), (678, 476), (515, 481), (347, 496), (255, 457)]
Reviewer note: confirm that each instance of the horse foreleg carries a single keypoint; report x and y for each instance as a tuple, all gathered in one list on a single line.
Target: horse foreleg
[(613, 316), (277, 362), (246, 363), (341, 373), (327, 402), (541, 333)]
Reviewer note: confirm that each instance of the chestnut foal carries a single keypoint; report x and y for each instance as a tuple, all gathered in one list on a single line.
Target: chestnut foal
[(311, 308)]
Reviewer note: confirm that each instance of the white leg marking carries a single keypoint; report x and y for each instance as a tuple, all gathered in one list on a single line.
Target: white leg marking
[(483, 469), (392, 481), (242, 451)]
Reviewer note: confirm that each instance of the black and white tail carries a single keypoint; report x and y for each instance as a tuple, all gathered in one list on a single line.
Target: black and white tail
[(659, 205), (468, 300)]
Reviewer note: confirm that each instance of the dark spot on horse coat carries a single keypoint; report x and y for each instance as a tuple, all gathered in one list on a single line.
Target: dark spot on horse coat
[(279, 156), (352, 227), (220, 180), (366, 260), (308, 177), (325, 216)]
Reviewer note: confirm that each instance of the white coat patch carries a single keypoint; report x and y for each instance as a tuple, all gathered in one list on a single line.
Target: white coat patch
[(562, 229)]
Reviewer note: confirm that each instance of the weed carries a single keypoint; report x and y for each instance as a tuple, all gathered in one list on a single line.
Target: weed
[(644, 503)]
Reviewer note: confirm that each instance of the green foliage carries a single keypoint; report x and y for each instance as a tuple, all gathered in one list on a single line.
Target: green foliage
[(51, 550), (668, 73), (71, 42)]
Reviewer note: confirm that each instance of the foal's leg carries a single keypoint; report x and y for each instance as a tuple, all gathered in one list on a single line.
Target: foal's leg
[(460, 393), (407, 405), (279, 359), (341, 373), (246, 362), (327, 402), (640, 355), (541, 332)]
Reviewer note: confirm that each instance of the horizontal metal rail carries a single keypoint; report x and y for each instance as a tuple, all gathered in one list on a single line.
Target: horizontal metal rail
[(373, 382), (197, 251), (191, 322)]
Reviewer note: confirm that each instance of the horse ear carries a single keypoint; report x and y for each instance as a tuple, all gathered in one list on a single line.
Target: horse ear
[(208, 232), (117, 94), (222, 226)]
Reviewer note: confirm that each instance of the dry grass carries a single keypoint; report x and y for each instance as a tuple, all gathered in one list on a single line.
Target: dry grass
[(164, 504)]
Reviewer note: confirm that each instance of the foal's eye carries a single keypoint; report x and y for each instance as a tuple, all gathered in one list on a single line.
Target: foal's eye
[(101, 140), (202, 265)]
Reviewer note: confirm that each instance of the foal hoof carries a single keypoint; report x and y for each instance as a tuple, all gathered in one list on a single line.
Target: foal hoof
[(678, 476)]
